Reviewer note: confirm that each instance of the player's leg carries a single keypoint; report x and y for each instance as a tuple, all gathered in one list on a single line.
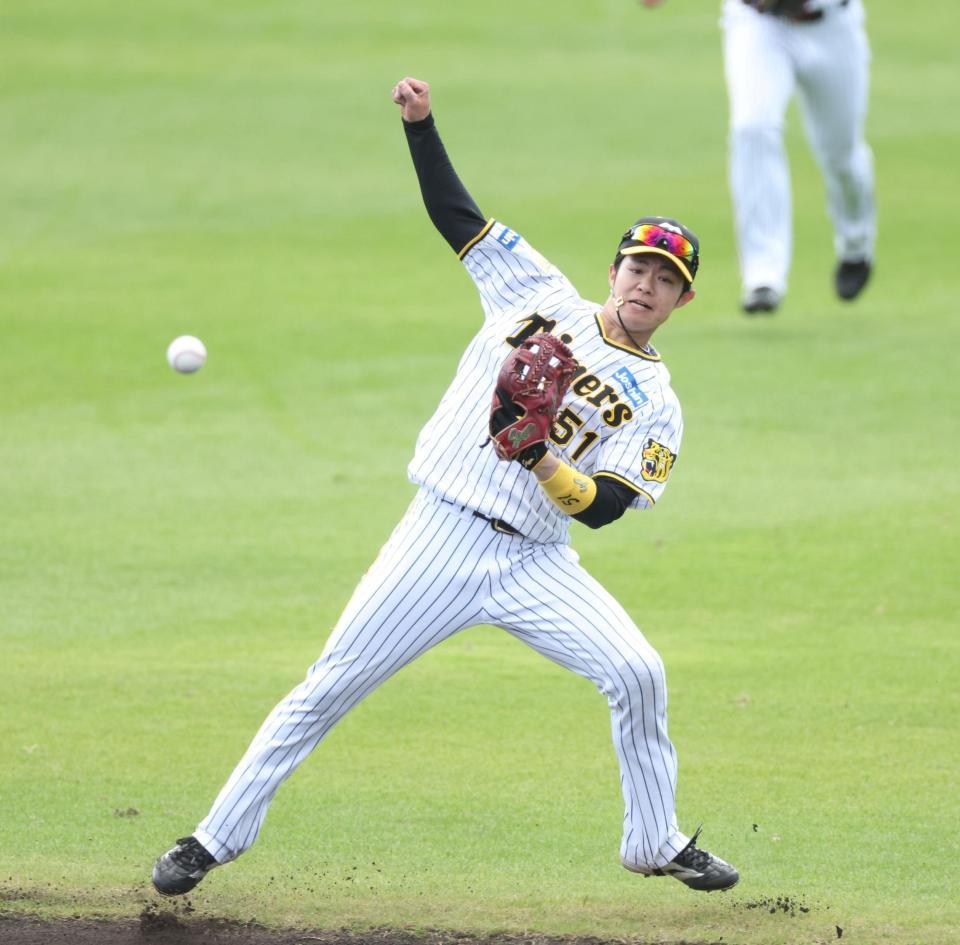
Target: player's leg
[(760, 82), (550, 603), (834, 87), (547, 600), (423, 587)]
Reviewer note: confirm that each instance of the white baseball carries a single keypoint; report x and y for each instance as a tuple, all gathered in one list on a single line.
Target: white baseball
[(186, 354)]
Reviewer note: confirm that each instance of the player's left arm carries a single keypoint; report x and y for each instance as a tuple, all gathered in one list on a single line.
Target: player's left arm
[(630, 469), (529, 389), (593, 501)]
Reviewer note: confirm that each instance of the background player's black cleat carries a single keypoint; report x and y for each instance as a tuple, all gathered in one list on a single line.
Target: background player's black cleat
[(699, 869), (181, 868), (761, 301), (851, 277)]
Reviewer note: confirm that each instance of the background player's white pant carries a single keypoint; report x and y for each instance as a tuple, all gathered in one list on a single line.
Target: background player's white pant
[(443, 570), (766, 59)]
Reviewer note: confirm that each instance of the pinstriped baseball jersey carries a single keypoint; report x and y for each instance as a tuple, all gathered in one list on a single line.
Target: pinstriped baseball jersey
[(620, 417), (443, 569), (481, 543)]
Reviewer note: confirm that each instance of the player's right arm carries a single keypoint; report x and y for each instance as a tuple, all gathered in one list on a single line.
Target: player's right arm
[(450, 207)]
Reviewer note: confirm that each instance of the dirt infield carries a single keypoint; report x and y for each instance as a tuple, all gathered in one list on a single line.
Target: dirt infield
[(158, 927)]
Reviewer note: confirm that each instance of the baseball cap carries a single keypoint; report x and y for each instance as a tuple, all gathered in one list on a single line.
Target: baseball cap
[(667, 238)]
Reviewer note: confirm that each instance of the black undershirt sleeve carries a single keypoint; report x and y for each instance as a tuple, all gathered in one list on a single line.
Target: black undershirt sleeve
[(611, 501), (451, 208)]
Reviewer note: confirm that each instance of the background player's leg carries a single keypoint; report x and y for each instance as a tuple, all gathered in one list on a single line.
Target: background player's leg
[(552, 604), (760, 81), (422, 588), (834, 88)]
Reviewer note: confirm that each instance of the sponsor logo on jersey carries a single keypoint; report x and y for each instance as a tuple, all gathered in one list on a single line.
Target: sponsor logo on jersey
[(631, 389), (509, 238), (657, 461)]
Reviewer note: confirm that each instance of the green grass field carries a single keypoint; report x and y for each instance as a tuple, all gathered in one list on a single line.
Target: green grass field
[(176, 549)]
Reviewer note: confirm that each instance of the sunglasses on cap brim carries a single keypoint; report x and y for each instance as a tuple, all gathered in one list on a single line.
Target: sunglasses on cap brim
[(655, 239)]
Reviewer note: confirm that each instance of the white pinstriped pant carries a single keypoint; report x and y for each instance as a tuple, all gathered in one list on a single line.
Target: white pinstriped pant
[(443, 570), (767, 58)]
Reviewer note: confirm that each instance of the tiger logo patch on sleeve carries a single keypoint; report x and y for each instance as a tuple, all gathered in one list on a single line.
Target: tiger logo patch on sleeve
[(657, 461)]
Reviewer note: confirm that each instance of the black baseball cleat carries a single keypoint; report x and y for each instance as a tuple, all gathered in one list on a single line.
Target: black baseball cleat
[(850, 278), (697, 869), (180, 869), (761, 301)]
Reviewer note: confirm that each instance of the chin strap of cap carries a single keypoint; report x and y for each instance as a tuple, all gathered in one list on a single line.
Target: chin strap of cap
[(618, 304)]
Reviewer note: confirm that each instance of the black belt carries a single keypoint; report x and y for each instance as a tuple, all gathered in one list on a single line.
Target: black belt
[(497, 524), (797, 17)]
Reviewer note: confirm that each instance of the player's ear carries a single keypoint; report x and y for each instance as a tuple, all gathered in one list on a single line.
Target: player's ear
[(685, 297)]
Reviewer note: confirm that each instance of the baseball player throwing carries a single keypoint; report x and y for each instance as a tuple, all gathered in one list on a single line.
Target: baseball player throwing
[(560, 409), (818, 48)]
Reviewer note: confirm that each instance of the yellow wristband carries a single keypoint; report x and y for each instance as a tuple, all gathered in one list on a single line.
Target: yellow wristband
[(569, 490)]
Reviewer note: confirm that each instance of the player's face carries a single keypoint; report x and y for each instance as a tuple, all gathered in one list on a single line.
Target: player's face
[(651, 287)]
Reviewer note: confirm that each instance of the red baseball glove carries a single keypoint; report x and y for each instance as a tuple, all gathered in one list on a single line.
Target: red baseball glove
[(530, 386)]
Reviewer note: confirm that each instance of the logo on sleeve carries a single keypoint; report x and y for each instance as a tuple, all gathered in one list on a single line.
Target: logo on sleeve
[(631, 389), (657, 461), (508, 238)]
